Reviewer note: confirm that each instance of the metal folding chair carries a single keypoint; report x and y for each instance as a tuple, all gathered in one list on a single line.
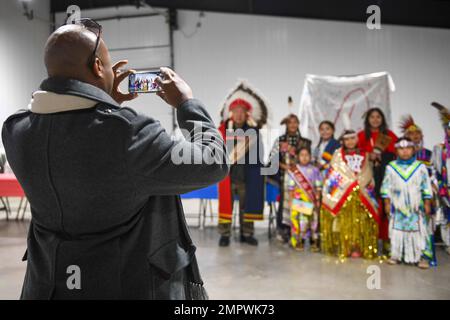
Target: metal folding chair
[(23, 204), (6, 207)]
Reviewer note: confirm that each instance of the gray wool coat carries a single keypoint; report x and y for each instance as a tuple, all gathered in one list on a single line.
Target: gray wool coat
[(107, 220)]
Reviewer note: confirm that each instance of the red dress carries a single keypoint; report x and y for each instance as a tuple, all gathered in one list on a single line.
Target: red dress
[(388, 154)]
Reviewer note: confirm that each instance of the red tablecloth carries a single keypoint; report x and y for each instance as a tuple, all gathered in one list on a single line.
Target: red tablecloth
[(9, 186)]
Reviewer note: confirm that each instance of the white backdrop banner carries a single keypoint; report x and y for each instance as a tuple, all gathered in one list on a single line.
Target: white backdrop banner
[(343, 100)]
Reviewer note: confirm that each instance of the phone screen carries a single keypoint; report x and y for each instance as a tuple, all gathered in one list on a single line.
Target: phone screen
[(143, 82)]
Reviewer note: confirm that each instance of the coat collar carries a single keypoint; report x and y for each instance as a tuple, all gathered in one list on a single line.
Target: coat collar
[(44, 102), (73, 87)]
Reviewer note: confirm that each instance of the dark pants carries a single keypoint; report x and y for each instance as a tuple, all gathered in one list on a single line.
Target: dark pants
[(247, 228), (378, 175), (283, 229)]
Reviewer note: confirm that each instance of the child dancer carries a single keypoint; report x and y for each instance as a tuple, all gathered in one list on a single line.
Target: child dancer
[(326, 147), (284, 149), (350, 213), (412, 131), (306, 183), (406, 191)]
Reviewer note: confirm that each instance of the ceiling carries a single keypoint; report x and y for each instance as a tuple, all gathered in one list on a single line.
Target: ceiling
[(427, 13)]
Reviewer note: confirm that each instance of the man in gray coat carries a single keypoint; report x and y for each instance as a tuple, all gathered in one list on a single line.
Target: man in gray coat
[(107, 220)]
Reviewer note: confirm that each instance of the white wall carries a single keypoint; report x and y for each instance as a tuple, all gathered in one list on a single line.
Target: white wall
[(273, 53), (21, 53)]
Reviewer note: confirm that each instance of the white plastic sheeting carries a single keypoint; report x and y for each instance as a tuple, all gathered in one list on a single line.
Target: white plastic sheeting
[(343, 100)]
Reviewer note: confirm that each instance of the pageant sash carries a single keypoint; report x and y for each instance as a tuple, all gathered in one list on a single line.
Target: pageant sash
[(302, 182)]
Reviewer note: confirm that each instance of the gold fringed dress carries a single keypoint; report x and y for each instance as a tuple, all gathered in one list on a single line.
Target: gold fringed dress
[(350, 212)]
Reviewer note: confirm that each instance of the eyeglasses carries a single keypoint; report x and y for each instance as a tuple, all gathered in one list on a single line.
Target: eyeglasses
[(95, 28)]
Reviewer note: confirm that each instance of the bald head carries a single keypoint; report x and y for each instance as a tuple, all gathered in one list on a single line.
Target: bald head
[(68, 52), (68, 49)]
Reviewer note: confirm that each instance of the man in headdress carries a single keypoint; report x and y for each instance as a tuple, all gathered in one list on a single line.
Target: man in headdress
[(413, 132), (441, 163), (243, 114)]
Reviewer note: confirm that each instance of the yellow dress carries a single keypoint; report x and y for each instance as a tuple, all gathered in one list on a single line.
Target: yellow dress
[(350, 211)]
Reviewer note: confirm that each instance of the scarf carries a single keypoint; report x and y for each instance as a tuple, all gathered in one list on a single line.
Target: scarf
[(324, 158), (406, 162)]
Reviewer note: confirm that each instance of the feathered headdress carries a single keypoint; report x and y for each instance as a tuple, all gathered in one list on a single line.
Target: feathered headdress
[(291, 115), (407, 124), (245, 96), (444, 114)]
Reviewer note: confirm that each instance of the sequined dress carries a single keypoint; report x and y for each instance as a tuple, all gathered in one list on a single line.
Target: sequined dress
[(350, 213)]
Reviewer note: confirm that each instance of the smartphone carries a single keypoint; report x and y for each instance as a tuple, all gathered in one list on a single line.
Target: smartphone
[(143, 82)]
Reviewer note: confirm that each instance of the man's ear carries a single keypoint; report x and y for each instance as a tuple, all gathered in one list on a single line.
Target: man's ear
[(97, 68)]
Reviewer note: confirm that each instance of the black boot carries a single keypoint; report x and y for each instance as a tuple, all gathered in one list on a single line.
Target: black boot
[(251, 240), (224, 241)]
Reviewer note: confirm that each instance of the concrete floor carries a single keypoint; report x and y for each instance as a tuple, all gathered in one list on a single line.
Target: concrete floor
[(274, 271), (269, 271)]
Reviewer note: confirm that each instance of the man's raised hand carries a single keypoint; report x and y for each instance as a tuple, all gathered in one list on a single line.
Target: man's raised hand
[(174, 90), (119, 76)]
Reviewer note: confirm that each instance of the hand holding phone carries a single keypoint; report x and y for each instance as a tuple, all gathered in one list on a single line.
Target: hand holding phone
[(175, 90), (119, 76)]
